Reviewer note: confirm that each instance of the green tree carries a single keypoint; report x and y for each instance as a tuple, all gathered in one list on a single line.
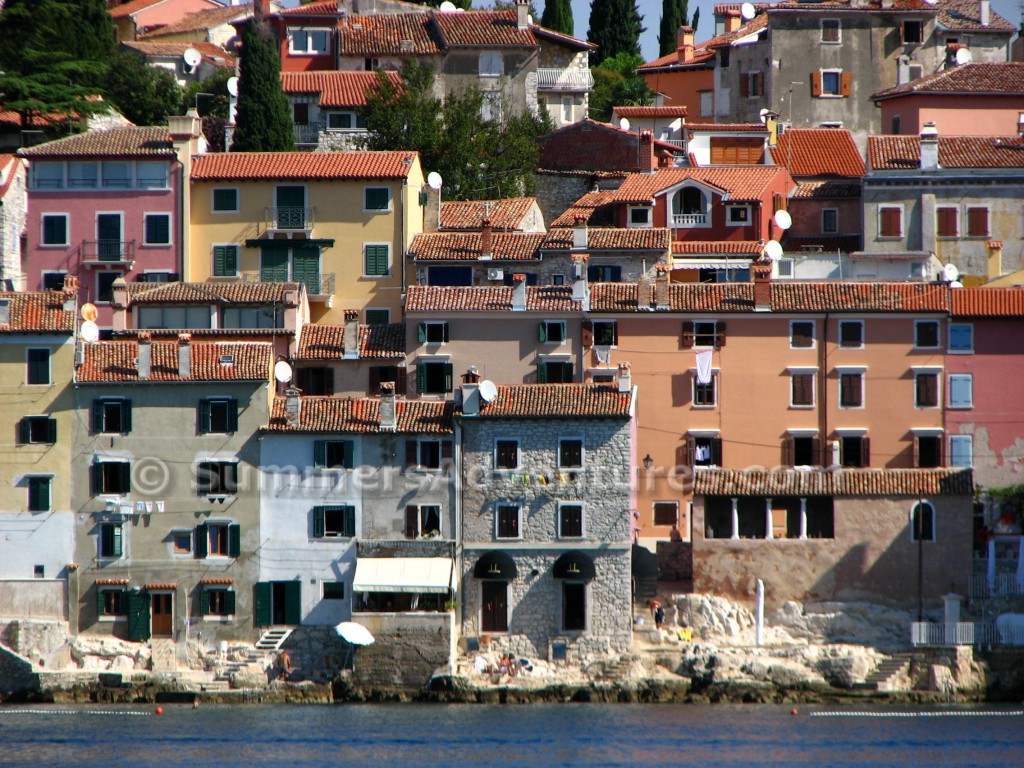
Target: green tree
[(263, 122), (558, 16), (54, 55), (145, 95), (615, 27), (673, 16), (210, 98), (694, 22), (616, 83)]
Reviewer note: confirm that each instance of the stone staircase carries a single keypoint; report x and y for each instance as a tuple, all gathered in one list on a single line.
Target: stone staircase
[(164, 660), (273, 638), (885, 676), (226, 672)]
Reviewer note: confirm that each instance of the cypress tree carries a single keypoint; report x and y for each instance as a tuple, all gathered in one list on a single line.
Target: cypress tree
[(673, 16), (696, 20), (558, 16), (615, 27), (263, 122)]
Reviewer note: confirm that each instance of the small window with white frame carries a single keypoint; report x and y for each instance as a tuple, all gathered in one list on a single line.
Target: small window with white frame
[(926, 334), (112, 603), (491, 64), (851, 334), (308, 42), (640, 216), (551, 332), (739, 215), (570, 520), (376, 199), (801, 334), (345, 121), (506, 454), (606, 333), (831, 82), (961, 390), (53, 230), (705, 394), (570, 453), (831, 31), (156, 229), (506, 521), (224, 199)]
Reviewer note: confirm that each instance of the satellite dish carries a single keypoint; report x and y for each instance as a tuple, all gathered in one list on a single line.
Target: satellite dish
[(624, 124), (447, 7), (964, 56), (763, 114), (950, 273), (434, 180), (89, 331), (956, 284), (282, 371), (487, 390), (88, 312), (192, 57), (773, 250), (783, 220), (747, 11), (233, 86)]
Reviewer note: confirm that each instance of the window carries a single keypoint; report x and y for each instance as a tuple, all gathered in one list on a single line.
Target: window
[(977, 222), (606, 333), (507, 521), (801, 334), (427, 454), (830, 83), (890, 221), (754, 82), (830, 220), (927, 451), (831, 31), (157, 229), (602, 273), (376, 199), (377, 316), (961, 393), (926, 390), (432, 333), (640, 217), (308, 41), (854, 451), (37, 366), (334, 522), (173, 317), (434, 378), (739, 214), (666, 513), (111, 603), (151, 174), (105, 286), (111, 477), (705, 395), (567, 109), (851, 390), (333, 590), (55, 229), (37, 430), (225, 260), (333, 454), (703, 333), (111, 540), (895, 125), (47, 175), (345, 121), (911, 31), (393, 374), (506, 454), (117, 175), (801, 390), (218, 415), (551, 332), (216, 478), (300, 113), (922, 522), (704, 451), (217, 602), (554, 372), (926, 334), (111, 416), (376, 260), (422, 520), (491, 64), (570, 521), (961, 451), (802, 451), (948, 221), (961, 337), (707, 103), (53, 281), (39, 493), (570, 453), (574, 606), (182, 542), (225, 200), (851, 334), (265, 316), (218, 540)]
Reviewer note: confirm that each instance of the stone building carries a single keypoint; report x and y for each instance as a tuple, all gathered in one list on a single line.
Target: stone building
[(13, 206)]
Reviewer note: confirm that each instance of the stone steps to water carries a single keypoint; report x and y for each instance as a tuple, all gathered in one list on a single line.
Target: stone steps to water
[(885, 674), (273, 638), (164, 658)]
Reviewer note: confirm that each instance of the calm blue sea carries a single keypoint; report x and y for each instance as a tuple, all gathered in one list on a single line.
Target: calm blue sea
[(495, 737)]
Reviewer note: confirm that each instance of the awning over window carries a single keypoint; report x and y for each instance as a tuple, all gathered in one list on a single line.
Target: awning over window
[(495, 565), (405, 574), (574, 565)]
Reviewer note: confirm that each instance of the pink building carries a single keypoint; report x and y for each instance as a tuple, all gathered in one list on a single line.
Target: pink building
[(104, 205)]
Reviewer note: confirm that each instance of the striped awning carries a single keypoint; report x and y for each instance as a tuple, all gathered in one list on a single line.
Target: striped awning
[(405, 574)]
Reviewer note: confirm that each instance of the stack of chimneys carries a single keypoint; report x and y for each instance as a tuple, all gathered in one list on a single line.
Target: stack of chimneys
[(185, 355), (580, 291), (350, 335), (661, 293), (929, 147), (388, 408), (145, 355), (522, 14), (684, 44), (579, 234), (643, 293)]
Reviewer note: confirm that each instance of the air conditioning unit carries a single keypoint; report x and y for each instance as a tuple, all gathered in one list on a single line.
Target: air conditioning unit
[(495, 274)]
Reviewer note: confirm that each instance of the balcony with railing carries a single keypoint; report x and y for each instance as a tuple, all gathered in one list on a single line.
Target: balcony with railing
[(557, 79), (113, 253), (307, 135), (289, 218), (682, 220), (320, 286)]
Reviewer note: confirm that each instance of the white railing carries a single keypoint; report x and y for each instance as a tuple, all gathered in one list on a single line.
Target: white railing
[(1003, 585), (553, 79), (929, 633), (689, 219)]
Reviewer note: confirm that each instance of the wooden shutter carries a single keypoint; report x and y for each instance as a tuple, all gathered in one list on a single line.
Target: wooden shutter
[(126, 416), (542, 332), (865, 451), (229, 601), (688, 450), (446, 450), (411, 454), (124, 477), (421, 333), (716, 451), (97, 478), (421, 378), (202, 540), (977, 222), (138, 616), (99, 602), (817, 451), (412, 516), (374, 388), (204, 416), (232, 415), (927, 390), (542, 373), (815, 83), (204, 602), (293, 602), (261, 603), (744, 85), (401, 380), (319, 453), (347, 454), (587, 333), (24, 430), (787, 452), (349, 522), (720, 329), (686, 340), (844, 83), (917, 451), (234, 540), (97, 417), (319, 522), (947, 221)]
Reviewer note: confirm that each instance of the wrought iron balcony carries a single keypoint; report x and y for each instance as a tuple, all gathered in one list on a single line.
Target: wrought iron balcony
[(555, 79), (289, 218), (108, 252), (317, 286)]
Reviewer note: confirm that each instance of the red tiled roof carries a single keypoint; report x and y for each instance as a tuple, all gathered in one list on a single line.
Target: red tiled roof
[(725, 128), (741, 247), (899, 153), (506, 214), (209, 293), (965, 16), (115, 361), (742, 182), (38, 312), (961, 15), (491, 29), (553, 401), (362, 414), (558, 37), (702, 58), (392, 34), (126, 141), (845, 482), (255, 166), (322, 8), (336, 89), (211, 53), (818, 152), (461, 246), (200, 21), (548, 298), (987, 302), (827, 189), (650, 112), (327, 342), (584, 207), (9, 165), (977, 78), (612, 239), (133, 6)]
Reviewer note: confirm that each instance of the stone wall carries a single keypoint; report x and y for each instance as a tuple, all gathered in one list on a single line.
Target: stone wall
[(557, 191), (16, 673)]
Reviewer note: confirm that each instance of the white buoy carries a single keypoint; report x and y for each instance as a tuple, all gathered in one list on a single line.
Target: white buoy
[(759, 615)]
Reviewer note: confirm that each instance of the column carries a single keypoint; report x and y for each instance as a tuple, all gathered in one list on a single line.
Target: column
[(803, 518), (769, 534), (735, 518)]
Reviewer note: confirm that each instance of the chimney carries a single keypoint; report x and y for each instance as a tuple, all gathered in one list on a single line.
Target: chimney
[(471, 392), (119, 291), (762, 274), (661, 298), (293, 406), (643, 293), (645, 152), (1020, 132), (684, 44), (579, 234), (145, 354), (71, 282), (262, 8), (486, 241), (70, 303), (579, 278), (185, 355), (519, 293), (985, 12), (350, 335), (624, 378), (388, 412), (732, 21), (929, 147), (522, 14), (995, 258)]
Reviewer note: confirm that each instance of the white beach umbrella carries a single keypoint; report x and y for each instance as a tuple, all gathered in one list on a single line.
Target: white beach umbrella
[(353, 633)]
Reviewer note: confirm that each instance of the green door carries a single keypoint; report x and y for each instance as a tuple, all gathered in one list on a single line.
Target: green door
[(293, 602), (138, 616), (291, 207), (108, 236), (306, 267), (273, 264)]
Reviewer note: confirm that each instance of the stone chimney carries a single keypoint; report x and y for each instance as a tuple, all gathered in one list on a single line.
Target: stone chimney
[(486, 240), (580, 291), (518, 292), (985, 13), (643, 293), (350, 335), (661, 293), (522, 14), (185, 355), (579, 234), (761, 270), (645, 152), (70, 290), (471, 392), (929, 147), (262, 8), (624, 378), (684, 44), (732, 21), (144, 354), (388, 409), (995, 258)]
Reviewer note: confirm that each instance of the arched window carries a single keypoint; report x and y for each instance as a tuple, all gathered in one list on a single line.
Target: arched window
[(689, 207), (922, 522)]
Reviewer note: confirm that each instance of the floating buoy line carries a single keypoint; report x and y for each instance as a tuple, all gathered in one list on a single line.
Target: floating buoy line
[(955, 713), (128, 713)]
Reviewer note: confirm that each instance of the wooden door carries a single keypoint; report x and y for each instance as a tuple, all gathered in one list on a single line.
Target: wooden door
[(494, 597), (162, 606)]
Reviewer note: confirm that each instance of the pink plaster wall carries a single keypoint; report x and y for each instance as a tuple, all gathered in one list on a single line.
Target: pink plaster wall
[(955, 115)]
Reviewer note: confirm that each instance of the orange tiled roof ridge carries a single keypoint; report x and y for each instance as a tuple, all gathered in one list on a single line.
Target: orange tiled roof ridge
[(253, 166), (362, 414)]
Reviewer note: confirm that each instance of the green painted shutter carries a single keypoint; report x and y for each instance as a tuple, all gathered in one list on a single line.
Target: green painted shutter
[(234, 540), (411, 454), (293, 602), (350, 521), (97, 416), (117, 540), (229, 602), (306, 267), (225, 260), (97, 478), (24, 431), (421, 378), (204, 602), (349, 459), (99, 602), (124, 471), (319, 453), (126, 416), (444, 331), (449, 376), (273, 264), (232, 415), (204, 416), (42, 494), (319, 524), (202, 540), (421, 332), (542, 332), (261, 603), (542, 373), (138, 616), (51, 430)]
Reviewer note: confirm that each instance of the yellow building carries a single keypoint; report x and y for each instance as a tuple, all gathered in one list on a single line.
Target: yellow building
[(338, 222)]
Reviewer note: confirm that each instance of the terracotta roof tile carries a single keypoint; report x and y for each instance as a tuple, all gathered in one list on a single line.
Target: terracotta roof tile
[(362, 415), (127, 141), (818, 152), (846, 482), (702, 58), (394, 34), (335, 89), (115, 361), (726, 128), (37, 312), (794, 244), (901, 153), (211, 53), (742, 182), (255, 166), (962, 15), (200, 21), (548, 298), (977, 78), (650, 112), (965, 15), (506, 214), (327, 342), (209, 293), (133, 6), (9, 165), (558, 37), (987, 302), (585, 207), (707, 247), (492, 29), (827, 189), (462, 246), (321, 8), (554, 401), (612, 239)]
